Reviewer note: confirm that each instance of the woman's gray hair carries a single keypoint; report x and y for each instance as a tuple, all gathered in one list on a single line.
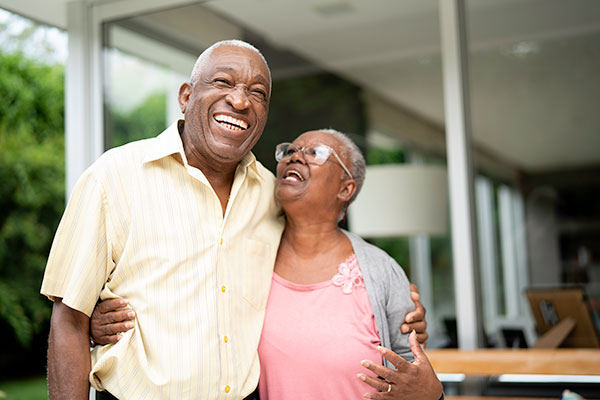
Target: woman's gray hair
[(357, 162), (203, 58)]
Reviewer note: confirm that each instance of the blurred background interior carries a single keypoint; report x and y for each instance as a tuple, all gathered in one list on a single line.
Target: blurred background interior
[(372, 69)]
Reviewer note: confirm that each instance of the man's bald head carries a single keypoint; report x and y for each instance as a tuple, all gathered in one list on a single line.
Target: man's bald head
[(204, 57)]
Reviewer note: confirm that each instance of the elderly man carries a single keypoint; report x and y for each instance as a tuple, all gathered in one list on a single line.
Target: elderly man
[(186, 228)]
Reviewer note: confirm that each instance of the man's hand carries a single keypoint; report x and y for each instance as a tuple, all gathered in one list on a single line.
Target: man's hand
[(415, 320), (109, 319), (68, 353), (415, 380)]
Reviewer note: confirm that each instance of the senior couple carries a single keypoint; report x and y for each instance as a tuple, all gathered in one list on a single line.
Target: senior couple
[(185, 226)]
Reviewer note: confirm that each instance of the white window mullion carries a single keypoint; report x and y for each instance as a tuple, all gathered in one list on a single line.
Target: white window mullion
[(520, 240), (509, 259), (484, 192)]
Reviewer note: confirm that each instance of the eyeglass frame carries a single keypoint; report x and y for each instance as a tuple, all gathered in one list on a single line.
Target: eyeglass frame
[(301, 149)]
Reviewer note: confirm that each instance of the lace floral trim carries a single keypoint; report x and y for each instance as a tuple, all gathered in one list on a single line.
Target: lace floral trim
[(349, 275)]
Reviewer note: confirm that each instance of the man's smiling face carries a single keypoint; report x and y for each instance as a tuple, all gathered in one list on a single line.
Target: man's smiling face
[(226, 106)]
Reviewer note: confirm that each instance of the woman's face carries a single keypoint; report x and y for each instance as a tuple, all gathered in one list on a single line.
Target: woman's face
[(312, 187)]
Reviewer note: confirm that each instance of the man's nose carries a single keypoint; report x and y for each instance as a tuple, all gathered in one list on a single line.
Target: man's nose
[(238, 98)]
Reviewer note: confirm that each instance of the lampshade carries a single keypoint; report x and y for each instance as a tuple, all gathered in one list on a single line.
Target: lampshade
[(401, 200)]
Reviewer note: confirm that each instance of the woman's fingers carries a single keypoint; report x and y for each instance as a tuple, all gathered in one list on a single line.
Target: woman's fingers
[(111, 305), (109, 319), (378, 384)]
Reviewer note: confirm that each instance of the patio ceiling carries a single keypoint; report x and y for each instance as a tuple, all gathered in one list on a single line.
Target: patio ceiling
[(534, 102)]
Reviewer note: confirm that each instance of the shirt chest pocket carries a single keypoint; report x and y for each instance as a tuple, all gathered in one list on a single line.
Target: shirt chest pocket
[(254, 272)]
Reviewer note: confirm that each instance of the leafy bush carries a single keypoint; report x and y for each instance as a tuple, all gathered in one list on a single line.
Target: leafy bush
[(31, 186)]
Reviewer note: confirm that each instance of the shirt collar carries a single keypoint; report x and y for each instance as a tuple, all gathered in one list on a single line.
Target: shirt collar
[(169, 143), (249, 161)]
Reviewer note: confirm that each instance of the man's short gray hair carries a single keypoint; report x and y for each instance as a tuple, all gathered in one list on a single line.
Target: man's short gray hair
[(357, 161), (203, 58)]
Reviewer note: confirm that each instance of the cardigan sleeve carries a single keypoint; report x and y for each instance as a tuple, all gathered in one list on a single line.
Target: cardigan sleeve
[(389, 293), (398, 304)]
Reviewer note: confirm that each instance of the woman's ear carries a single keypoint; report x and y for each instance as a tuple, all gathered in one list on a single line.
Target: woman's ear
[(347, 190), (185, 91)]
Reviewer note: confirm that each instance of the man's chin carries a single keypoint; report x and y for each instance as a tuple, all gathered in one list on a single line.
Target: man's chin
[(229, 153)]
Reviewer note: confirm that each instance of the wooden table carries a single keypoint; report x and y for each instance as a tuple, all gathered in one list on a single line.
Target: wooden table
[(490, 362), (492, 398), (494, 362)]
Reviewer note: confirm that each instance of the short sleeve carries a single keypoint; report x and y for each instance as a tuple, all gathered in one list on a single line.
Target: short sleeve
[(79, 262)]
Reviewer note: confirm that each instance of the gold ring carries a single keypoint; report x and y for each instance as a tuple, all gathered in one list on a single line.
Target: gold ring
[(389, 387)]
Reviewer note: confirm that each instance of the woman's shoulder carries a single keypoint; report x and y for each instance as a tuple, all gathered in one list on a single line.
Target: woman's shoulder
[(369, 254), (382, 274)]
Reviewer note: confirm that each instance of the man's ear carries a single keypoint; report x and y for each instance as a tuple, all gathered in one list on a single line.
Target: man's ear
[(185, 91), (347, 190)]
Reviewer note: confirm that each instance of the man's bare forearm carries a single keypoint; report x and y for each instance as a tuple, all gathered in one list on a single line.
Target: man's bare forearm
[(68, 354)]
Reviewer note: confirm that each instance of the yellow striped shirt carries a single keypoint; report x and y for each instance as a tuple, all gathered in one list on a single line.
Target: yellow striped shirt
[(143, 224)]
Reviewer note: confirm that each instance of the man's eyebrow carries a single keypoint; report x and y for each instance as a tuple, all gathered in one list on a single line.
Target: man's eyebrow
[(225, 68), (228, 69), (262, 78)]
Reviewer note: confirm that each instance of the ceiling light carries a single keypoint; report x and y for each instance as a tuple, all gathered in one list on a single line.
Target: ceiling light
[(334, 9)]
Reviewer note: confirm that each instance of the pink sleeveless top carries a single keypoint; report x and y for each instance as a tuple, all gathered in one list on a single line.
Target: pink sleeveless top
[(315, 336)]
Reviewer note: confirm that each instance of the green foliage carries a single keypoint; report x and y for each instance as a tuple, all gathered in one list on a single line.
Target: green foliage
[(32, 189), (147, 120), (442, 272), (26, 389), (32, 98), (398, 248), (20, 34), (379, 155)]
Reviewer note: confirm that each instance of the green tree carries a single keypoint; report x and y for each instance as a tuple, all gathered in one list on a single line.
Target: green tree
[(146, 120), (31, 186)]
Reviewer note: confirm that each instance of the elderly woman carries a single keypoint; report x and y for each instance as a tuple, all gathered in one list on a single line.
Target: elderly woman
[(336, 302)]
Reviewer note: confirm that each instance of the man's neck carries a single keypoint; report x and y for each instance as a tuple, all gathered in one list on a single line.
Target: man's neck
[(220, 175), (221, 180)]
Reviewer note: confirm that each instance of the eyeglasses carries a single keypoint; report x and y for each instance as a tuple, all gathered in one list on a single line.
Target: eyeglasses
[(315, 154)]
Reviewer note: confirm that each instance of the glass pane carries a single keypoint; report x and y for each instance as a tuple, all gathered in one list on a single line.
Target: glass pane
[(372, 71), (141, 91), (534, 95)]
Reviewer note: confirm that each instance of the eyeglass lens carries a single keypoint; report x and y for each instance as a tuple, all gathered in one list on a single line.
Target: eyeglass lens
[(317, 154)]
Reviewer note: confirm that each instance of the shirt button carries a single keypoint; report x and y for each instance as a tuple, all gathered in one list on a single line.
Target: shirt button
[(226, 339), (223, 288), (227, 389)]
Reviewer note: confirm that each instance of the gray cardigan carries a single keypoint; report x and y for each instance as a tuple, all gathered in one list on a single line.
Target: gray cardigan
[(389, 293)]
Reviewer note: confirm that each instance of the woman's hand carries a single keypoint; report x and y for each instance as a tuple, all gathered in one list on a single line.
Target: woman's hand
[(109, 319), (415, 380), (415, 320)]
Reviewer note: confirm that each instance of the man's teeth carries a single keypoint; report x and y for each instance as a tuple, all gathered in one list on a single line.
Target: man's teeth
[(231, 123)]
